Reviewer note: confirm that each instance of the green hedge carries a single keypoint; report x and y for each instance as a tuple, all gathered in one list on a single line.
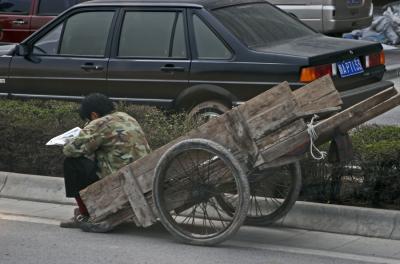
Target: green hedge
[(371, 179), (26, 126)]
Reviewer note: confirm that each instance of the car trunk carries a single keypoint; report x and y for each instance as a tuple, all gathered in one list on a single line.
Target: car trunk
[(320, 49)]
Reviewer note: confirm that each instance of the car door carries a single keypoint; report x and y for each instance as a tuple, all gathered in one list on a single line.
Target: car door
[(214, 63), (15, 20), (67, 59), (151, 61)]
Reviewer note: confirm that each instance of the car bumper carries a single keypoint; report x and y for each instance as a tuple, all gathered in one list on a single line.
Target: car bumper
[(335, 25), (351, 97)]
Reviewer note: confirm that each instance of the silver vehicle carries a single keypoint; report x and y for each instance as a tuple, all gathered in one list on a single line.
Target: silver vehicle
[(330, 16)]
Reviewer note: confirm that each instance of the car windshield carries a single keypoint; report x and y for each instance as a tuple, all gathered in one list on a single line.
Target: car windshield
[(261, 24)]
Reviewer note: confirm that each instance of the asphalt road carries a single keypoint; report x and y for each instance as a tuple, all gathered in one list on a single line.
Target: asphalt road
[(27, 242)]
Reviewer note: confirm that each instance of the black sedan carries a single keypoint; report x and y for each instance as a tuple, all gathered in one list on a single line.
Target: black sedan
[(203, 55)]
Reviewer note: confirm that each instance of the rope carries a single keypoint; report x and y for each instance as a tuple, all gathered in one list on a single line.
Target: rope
[(313, 136)]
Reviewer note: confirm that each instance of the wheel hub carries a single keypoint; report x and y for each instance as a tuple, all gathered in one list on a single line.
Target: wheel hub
[(201, 192)]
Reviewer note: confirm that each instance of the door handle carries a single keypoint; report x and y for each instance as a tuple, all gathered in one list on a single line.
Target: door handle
[(172, 68), (19, 22), (91, 67)]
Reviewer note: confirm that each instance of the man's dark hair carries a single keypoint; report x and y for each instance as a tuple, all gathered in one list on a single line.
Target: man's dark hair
[(95, 102)]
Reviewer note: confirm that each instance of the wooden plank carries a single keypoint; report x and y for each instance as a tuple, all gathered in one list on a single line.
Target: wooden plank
[(343, 121), (329, 101), (143, 212), (237, 127), (99, 204), (273, 146), (273, 118), (123, 215), (270, 98), (315, 91), (353, 116), (371, 113)]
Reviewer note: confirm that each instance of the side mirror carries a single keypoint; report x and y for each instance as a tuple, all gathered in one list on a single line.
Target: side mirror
[(22, 50)]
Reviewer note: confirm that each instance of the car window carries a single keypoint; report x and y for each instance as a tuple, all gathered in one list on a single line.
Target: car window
[(261, 24), (209, 46), (152, 35), (86, 33), (15, 6), (49, 43), (54, 7)]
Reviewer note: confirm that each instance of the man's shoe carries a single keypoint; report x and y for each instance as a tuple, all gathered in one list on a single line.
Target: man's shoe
[(74, 222), (95, 227)]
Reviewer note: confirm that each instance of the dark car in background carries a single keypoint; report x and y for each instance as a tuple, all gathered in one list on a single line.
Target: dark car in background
[(20, 18), (194, 54)]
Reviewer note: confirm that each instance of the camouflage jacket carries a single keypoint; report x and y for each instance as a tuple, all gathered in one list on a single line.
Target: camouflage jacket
[(115, 140)]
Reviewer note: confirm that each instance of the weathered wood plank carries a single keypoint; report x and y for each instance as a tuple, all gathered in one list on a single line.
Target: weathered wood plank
[(123, 215), (273, 146), (357, 114), (317, 91), (342, 121), (143, 212), (273, 118), (371, 113), (270, 98), (99, 204)]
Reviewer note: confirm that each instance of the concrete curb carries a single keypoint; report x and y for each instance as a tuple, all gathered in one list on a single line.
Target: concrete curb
[(33, 188), (344, 220), (312, 216)]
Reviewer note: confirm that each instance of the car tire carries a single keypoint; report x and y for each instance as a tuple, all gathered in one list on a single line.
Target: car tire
[(207, 110)]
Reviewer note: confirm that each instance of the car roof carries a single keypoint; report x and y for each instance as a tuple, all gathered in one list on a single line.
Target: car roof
[(207, 4)]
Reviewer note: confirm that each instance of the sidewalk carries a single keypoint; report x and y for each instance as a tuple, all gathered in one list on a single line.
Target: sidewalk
[(43, 197), (274, 238)]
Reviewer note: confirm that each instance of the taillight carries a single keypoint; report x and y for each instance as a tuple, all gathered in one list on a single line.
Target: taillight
[(375, 59), (310, 74)]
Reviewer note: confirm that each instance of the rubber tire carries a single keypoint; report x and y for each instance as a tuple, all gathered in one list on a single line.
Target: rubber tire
[(217, 107), (282, 210), (286, 205), (241, 179)]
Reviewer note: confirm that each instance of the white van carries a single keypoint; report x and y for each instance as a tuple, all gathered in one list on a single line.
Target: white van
[(330, 16)]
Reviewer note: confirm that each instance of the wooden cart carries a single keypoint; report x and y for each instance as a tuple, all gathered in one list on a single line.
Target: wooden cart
[(243, 165)]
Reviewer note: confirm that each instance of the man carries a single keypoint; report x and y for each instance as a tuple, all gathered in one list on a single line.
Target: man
[(108, 142)]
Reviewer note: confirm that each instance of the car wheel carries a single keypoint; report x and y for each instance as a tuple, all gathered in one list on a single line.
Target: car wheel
[(207, 110)]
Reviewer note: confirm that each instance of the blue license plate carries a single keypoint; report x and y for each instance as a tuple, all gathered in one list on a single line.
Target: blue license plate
[(353, 2), (350, 67)]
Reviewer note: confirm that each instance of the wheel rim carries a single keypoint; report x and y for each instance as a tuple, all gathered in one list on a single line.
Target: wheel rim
[(273, 191), (187, 179), (207, 114), (269, 191)]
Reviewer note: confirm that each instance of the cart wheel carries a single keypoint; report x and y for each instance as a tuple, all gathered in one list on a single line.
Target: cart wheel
[(273, 192), (187, 179)]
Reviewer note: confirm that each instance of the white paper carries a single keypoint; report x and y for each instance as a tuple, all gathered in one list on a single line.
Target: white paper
[(62, 139)]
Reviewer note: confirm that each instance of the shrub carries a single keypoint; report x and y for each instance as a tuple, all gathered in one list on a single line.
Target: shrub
[(371, 179), (26, 126)]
